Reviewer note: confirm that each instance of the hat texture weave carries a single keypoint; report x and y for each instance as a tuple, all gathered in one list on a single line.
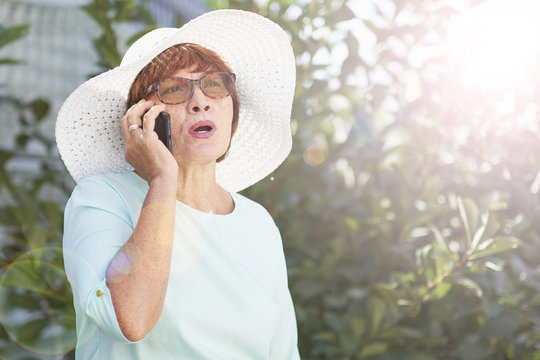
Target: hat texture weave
[(256, 49)]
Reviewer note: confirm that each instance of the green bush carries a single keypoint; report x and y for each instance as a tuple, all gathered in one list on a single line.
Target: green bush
[(36, 310), (414, 237)]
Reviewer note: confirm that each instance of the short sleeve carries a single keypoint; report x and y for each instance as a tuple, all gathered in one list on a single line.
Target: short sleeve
[(97, 223)]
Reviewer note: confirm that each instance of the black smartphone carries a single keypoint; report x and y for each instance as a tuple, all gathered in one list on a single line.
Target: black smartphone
[(163, 129)]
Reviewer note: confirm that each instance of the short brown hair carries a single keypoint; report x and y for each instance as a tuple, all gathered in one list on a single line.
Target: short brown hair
[(178, 57)]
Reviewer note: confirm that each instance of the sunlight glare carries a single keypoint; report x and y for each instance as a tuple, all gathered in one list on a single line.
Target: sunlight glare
[(494, 45)]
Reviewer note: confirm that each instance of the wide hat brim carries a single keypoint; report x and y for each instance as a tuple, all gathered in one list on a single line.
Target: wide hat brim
[(88, 131)]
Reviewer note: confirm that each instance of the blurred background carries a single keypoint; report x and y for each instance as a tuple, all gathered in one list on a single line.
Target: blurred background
[(409, 206)]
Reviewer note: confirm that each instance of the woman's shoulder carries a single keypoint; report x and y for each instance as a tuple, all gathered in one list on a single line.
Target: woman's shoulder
[(114, 180), (109, 188), (245, 204), (246, 208), (111, 182)]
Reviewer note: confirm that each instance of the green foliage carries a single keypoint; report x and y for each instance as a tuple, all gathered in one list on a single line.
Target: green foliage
[(402, 241), (108, 14), (33, 285), (8, 35)]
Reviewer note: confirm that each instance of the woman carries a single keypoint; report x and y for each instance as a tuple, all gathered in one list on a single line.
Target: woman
[(165, 259)]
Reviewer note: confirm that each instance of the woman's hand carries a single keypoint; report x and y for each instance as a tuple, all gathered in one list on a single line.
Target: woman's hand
[(144, 151)]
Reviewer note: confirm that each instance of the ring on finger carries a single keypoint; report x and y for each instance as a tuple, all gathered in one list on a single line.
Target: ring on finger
[(133, 127)]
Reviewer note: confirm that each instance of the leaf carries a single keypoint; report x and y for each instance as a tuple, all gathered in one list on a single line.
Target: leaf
[(469, 215), (327, 336), (373, 349), (352, 223), (440, 240), (5, 155), (8, 61), (21, 140), (11, 34), (110, 54), (358, 326), (124, 10), (495, 245), (478, 234), (146, 16), (389, 295), (441, 290), (53, 214), (15, 298), (370, 25), (23, 214), (32, 275), (377, 309), (36, 237), (488, 228), (29, 332), (443, 265), (40, 108), (97, 13), (469, 284)]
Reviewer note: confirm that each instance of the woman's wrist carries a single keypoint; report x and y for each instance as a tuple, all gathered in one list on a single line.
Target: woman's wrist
[(164, 183)]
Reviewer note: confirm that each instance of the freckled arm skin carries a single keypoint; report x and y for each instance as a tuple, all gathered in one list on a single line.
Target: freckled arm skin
[(138, 274)]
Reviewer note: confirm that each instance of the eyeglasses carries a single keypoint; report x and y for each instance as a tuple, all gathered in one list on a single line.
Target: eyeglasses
[(178, 90)]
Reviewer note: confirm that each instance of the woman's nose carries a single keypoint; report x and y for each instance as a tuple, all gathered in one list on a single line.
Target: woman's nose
[(199, 101)]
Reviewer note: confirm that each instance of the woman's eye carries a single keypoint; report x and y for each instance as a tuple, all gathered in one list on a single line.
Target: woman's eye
[(172, 89), (213, 84)]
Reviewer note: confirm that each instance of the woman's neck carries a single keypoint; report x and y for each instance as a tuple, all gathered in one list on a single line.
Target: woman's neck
[(198, 189)]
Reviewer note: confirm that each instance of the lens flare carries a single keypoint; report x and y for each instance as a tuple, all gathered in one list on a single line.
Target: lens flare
[(494, 46), (33, 309), (315, 155)]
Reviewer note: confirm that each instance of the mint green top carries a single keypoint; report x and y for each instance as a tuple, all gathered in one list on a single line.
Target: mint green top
[(227, 296)]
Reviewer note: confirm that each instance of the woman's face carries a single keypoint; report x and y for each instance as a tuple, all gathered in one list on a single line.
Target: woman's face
[(201, 126)]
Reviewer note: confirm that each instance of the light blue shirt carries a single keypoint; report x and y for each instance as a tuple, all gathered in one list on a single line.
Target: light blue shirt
[(227, 296)]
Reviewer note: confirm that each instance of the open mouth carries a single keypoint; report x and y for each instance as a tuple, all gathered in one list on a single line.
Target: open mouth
[(202, 129)]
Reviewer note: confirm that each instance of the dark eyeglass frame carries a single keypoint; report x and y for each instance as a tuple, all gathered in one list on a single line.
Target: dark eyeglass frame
[(193, 82)]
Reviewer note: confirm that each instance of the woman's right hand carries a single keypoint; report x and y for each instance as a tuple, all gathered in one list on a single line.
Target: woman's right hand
[(144, 151)]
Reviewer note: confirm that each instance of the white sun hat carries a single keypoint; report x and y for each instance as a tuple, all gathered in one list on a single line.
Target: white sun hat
[(256, 49)]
